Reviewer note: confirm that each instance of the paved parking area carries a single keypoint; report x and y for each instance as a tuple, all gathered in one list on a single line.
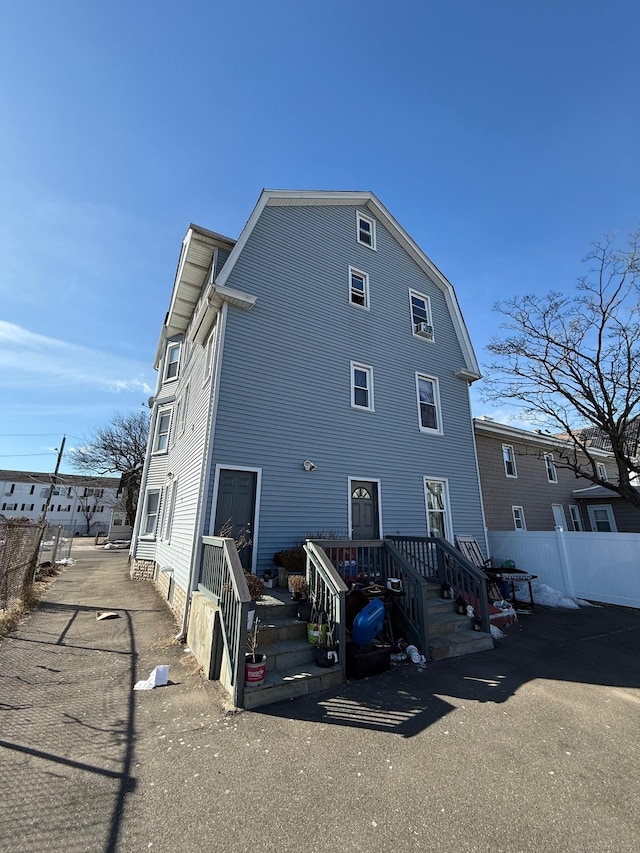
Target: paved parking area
[(531, 747)]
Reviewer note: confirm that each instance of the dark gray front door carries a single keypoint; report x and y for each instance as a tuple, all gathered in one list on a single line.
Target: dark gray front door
[(235, 510), (364, 510)]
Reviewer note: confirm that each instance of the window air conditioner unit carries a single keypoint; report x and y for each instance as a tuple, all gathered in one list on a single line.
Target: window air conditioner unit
[(425, 330)]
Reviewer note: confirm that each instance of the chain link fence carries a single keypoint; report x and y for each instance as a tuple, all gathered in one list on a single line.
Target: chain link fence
[(18, 558)]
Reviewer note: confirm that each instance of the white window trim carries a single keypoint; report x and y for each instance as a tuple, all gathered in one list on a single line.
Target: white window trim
[(513, 476), (576, 518), (448, 521), (356, 365), (362, 216), (365, 276), (550, 465), (601, 468), (436, 400), (610, 515), (209, 354), (156, 433), (171, 346), (559, 516), (148, 493), (515, 510), (170, 506), (429, 320), (185, 409)]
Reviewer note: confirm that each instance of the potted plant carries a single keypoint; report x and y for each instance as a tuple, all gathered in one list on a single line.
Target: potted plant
[(255, 663), (298, 586)]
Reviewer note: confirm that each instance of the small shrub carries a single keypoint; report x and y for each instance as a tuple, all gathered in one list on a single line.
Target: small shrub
[(255, 584), (298, 584), (291, 559)]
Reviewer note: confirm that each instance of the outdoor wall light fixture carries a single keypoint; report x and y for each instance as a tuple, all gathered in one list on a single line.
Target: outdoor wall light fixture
[(308, 465)]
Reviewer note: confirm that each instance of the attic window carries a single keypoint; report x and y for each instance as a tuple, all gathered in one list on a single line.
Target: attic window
[(172, 361), (365, 230)]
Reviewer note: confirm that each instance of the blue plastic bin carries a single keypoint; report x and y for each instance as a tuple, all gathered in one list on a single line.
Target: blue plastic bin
[(368, 623)]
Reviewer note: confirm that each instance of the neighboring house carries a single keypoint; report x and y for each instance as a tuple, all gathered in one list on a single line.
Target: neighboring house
[(312, 376), (525, 487), (79, 503)]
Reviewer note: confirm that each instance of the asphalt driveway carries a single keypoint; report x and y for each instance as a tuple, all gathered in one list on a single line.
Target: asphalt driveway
[(531, 747)]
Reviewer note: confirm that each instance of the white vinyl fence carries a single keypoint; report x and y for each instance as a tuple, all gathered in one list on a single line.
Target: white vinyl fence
[(602, 567)]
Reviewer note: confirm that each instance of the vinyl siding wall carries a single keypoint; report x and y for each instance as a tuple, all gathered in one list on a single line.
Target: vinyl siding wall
[(185, 461), (285, 383), (531, 489)]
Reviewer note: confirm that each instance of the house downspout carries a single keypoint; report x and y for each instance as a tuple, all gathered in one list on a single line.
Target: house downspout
[(205, 472)]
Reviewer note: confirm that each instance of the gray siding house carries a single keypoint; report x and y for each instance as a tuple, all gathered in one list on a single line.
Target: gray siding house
[(524, 486), (312, 376)]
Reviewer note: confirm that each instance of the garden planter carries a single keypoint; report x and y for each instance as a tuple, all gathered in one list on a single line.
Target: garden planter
[(254, 673)]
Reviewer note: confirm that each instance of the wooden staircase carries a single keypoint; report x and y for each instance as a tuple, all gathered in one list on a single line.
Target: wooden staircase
[(291, 667), (451, 635)]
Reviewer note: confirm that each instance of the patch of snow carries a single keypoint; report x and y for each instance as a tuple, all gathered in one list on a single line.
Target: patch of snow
[(496, 633), (547, 596)]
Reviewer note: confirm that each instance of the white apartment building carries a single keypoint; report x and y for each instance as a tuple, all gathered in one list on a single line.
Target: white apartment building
[(80, 504)]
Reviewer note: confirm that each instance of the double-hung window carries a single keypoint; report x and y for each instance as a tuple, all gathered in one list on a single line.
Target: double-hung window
[(358, 288), (161, 438), (601, 468), (150, 515), (172, 361), (552, 474), (518, 518), (509, 459), (421, 324), (366, 230), (428, 404), (361, 386)]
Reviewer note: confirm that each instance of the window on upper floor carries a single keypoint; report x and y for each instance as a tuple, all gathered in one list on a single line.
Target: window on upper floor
[(601, 468), (428, 404), (150, 514), (358, 288), (509, 459), (361, 386), (550, 465), (518, 518), (210, 345), (421, 325), (161, 437), (366, 230), (171, 362)]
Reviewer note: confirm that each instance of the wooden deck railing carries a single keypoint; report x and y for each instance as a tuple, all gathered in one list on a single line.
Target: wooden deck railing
[(439, 562), (222, 578), (327, 591)]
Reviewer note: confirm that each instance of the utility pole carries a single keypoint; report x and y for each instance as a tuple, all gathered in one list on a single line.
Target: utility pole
[(43, 517), (54, 480)]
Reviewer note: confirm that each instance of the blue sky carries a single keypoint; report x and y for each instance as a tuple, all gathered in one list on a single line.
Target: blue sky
[(504, 137)]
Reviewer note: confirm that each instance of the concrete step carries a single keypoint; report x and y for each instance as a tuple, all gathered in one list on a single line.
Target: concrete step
[(459, 643), (288, 684), (288, 653), (445, 622), (279, 629)]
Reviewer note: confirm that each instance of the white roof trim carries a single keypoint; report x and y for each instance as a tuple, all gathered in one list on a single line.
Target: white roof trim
[(368, 200)]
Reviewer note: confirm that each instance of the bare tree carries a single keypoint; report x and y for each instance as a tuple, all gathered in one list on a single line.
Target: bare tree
[(572, 363), (119, 447)]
